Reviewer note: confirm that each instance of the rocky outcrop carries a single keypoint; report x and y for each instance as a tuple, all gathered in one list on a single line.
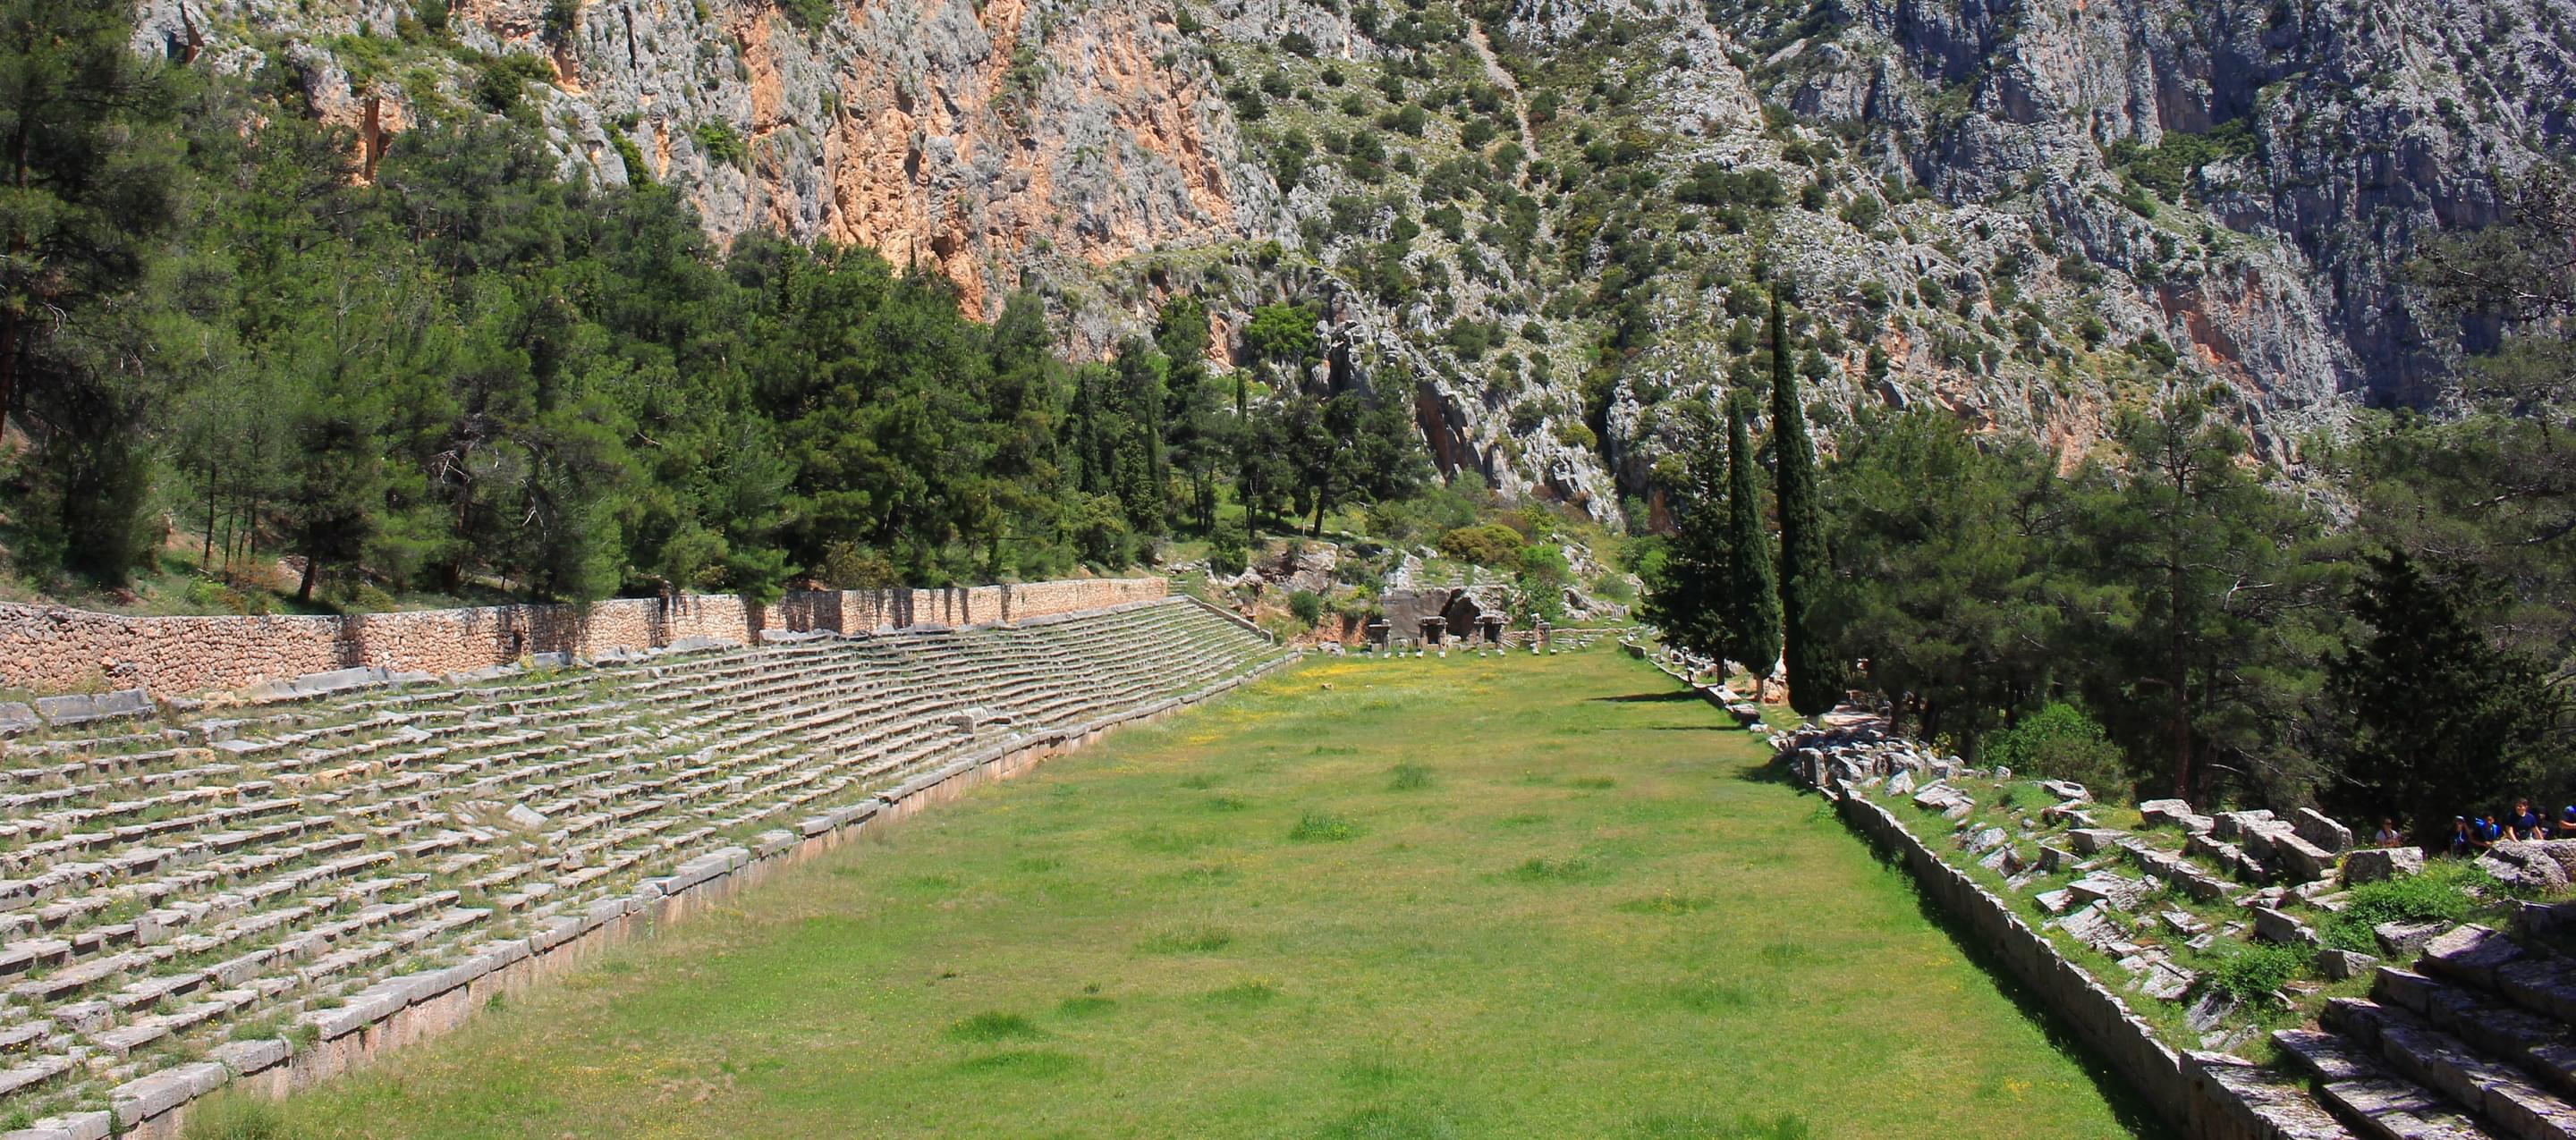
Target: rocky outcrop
[(2025, 214)]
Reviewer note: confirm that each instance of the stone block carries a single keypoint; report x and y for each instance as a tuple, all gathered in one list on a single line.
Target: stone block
[(2340, 965), (2318, 829), (2233, 824), (2066, 790), (2371, 864), (2094, 840), (2273, 926), (2304, 861), (16, 718), (243, 1058), (2117, 892), (81, 708), (140, 1100)]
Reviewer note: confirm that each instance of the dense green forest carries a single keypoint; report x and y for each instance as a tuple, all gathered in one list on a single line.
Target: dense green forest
[(470, 376), (2390, 633)]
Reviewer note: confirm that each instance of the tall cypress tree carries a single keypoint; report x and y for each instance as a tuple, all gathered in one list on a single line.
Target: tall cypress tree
[(1813, 688), (1752, 600)]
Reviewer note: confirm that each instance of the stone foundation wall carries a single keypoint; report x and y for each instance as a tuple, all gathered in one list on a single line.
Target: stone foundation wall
[(2188, 1090), (54, 649)]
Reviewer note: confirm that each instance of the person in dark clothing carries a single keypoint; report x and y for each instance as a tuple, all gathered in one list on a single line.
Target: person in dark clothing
[(2525, 823), (2463, 840), (2567, 822), (2488, 831)]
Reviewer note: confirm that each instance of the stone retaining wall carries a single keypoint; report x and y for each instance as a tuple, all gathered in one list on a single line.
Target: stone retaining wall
[(53, 649), (412, 1008), (2191, 1091)]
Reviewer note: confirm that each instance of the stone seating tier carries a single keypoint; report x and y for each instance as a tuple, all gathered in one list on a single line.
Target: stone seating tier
[(168, 888)]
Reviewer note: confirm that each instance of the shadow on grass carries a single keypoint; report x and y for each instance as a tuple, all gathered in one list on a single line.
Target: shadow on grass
[(1644, 698), (1772, 771), (2131, 1107)]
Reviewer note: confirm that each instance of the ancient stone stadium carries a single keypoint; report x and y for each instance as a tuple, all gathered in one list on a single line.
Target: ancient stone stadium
[(284, 885)]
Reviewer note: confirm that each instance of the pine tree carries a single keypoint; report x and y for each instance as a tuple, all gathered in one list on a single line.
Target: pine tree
[(2446, 720), (1689, 590), (1751, 615), (1813, 686)]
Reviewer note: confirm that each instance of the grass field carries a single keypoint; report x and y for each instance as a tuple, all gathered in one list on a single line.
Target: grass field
[(1462, 898)]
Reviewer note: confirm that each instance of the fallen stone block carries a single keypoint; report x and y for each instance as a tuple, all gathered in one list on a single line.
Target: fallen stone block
[(2117, 892), (2273, 926), (2176, 813), (2317, 828), (2371, 864), (2233, 824), (2066, 790), (2094, 840), (2304, 861), (16, 718), (2340, 965)]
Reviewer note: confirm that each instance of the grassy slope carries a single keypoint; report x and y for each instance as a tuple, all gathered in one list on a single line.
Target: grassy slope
[(1595, 919)]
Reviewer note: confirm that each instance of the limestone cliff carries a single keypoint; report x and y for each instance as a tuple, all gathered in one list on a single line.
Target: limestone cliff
[(1551, 218)]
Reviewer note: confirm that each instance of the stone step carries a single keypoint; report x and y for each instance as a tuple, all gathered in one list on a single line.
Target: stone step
[(2499, 1094)]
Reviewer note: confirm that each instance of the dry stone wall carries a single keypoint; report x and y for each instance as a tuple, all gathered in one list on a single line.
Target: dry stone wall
[(52, 649)]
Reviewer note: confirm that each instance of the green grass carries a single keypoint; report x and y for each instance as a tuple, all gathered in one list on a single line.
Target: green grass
[(1660, 940)]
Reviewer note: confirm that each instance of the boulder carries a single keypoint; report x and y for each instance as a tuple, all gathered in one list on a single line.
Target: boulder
[(16, 718), (2371, 864), (2234, 824)]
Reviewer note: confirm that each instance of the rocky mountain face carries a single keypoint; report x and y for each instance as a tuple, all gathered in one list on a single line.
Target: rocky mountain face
[(1553, 219)]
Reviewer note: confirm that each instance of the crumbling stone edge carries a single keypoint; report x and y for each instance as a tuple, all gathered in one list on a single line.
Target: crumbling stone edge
[(2195, 1092), (411, 1008)]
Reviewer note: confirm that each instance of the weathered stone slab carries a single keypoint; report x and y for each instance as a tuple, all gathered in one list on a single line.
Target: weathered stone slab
[(2371, 864), (16, 718), (2304, 861), (2094, 840), (2273, 926), (2399, 939), (81, 708), (2066, 791), (2339, 965), (2319, 829), (2234, 824), (2118, 892), (140, 1100), (2470, 954)]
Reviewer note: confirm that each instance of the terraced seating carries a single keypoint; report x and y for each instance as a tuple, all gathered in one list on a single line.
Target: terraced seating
[(2477, 1040), (252, 880)]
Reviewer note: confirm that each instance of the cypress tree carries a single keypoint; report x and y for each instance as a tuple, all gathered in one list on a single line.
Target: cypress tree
[(1751, 618), (1813, 688)]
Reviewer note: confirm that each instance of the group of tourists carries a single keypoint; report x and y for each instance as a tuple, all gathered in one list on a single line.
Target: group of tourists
[(2470, 835)]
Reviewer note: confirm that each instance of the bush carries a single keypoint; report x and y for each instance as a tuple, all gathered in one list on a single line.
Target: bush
[(1227, 554), (2060, 743), (2440, 894), (1489, 545), (1307, 605), (2257, 970)]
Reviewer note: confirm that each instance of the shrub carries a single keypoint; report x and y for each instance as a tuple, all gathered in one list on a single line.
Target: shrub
[(720, 143), (1307, 605), (2061, 743), (1410, 778), (2255, 970), (1489, 545), (2440, 894)]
